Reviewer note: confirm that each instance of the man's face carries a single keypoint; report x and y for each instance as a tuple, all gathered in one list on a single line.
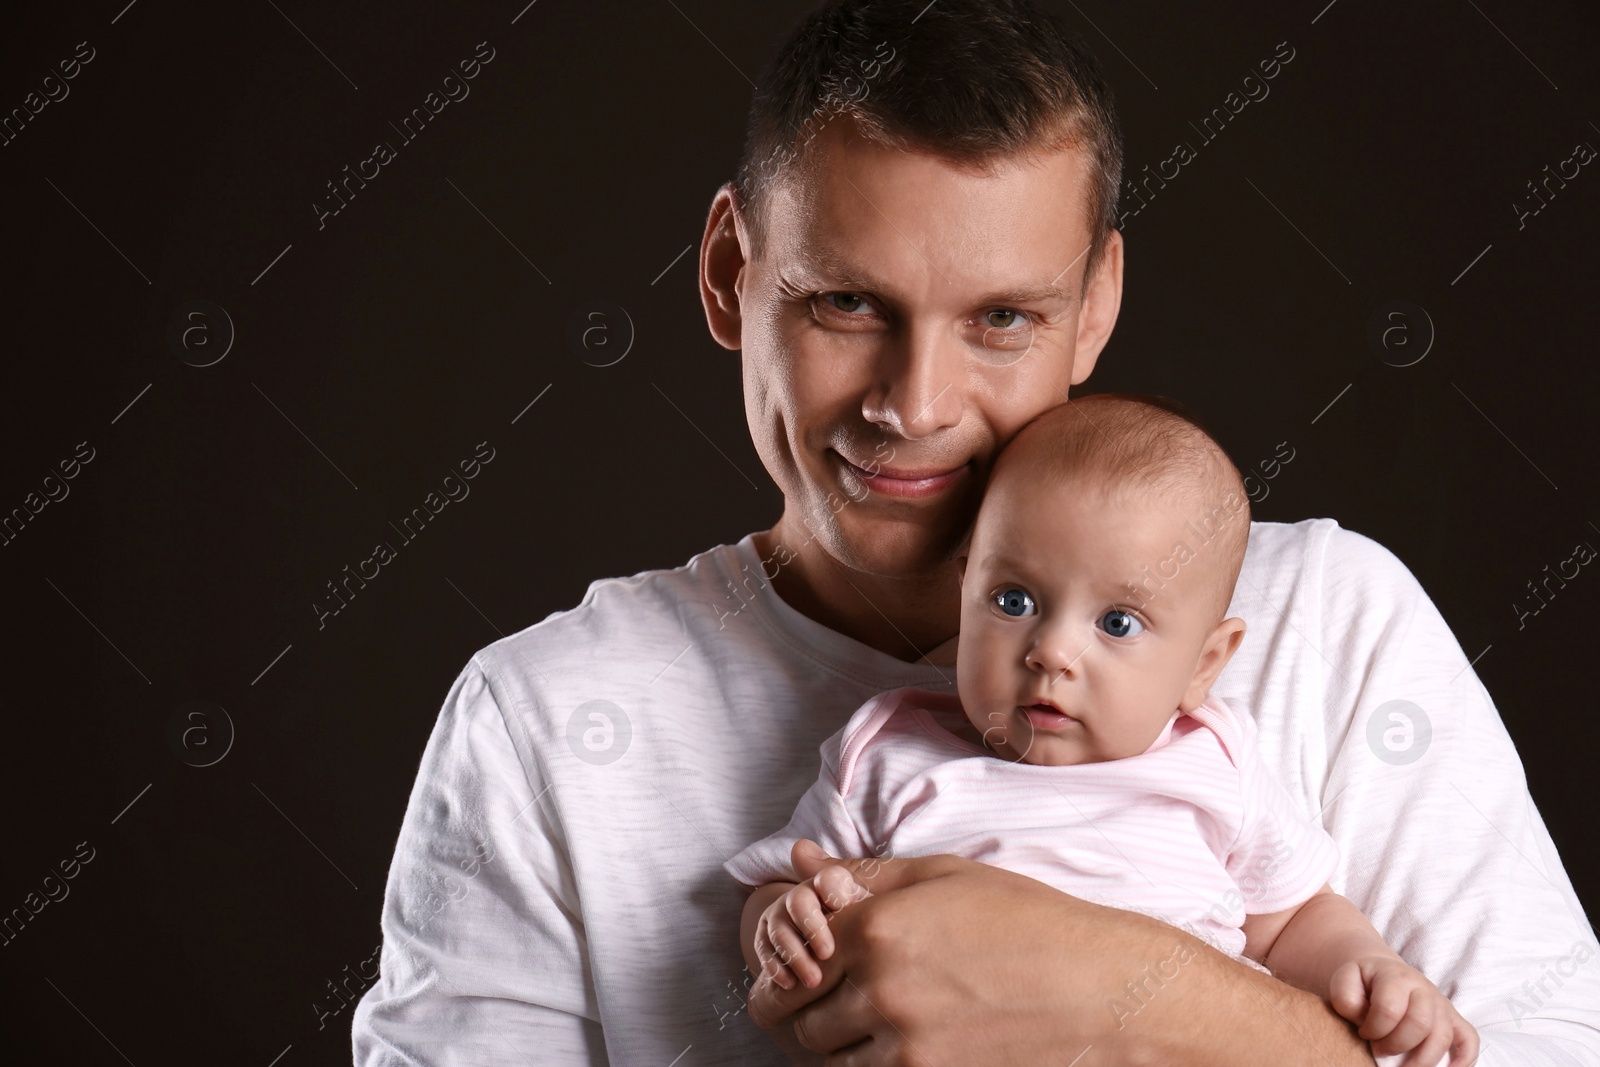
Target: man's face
[(906, 318), (1069, 652)]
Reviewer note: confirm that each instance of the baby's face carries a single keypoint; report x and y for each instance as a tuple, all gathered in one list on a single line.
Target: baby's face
[(1059, 661)]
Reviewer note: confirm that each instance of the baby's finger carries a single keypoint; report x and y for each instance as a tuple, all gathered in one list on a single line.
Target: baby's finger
[(791, 948), (1430, 1052), (1463, 1043), (1348, 993), (771, 966), (1415, 1026), (1385, 1009), (809, 918)]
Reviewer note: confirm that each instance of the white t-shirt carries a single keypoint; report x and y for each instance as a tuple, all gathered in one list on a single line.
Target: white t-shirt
[(547, 906), (1194, 831)]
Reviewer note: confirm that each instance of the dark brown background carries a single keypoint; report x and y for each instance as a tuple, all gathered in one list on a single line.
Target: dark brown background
[(192, 547)]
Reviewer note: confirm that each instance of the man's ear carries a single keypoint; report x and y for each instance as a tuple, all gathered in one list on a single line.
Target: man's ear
[(1214, 655), (722, 261), (1102, 300)]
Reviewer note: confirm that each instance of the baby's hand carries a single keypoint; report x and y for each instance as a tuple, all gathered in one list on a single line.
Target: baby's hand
[(800, 918), (1399, 1010)]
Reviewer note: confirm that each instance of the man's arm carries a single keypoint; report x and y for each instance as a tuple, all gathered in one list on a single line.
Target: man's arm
[(484, 958)]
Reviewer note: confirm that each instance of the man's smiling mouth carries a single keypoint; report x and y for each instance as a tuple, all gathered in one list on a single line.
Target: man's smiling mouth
[(905, 482)]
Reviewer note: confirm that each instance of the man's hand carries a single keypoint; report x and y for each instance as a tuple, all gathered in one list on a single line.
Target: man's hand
[(1400, 1010), (947, 960)]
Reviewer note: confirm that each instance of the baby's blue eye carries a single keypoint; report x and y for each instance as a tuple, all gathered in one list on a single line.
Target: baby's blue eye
[(1014, 602), (1120, 624)]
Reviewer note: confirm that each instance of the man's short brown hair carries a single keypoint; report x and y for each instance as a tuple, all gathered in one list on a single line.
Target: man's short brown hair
[(971, 81)]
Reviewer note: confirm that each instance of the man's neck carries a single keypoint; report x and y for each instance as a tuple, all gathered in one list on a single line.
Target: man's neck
[(905, 616)]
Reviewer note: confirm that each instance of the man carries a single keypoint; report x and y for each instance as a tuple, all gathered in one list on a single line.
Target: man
[(918, 257)]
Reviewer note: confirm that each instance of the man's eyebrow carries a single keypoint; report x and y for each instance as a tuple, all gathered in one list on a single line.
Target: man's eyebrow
[(826, 261)]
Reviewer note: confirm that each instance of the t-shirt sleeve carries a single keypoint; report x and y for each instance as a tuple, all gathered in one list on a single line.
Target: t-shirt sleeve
[(822, 815), (1444, 848), (484, 955), (1281, 857)]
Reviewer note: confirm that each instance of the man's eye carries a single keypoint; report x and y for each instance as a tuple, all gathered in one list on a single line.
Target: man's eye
[(1015, 602), (1120, 624), (846, 302), (1004, 319)]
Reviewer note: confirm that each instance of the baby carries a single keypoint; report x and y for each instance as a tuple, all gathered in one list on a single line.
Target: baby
[(1084, 749)]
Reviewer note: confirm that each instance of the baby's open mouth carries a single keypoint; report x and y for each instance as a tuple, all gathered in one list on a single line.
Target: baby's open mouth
[(1048, 717)]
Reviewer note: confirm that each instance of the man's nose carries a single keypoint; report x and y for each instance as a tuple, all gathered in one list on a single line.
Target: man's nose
[(919, 382)]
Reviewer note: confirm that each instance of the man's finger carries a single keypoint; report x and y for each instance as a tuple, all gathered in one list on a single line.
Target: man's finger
[(841, 1020)]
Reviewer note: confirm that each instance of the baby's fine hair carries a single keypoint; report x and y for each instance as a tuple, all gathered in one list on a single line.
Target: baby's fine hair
[(1134, 443)]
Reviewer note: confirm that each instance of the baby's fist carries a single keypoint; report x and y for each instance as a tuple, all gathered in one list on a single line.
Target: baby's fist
[(1399, 1011)]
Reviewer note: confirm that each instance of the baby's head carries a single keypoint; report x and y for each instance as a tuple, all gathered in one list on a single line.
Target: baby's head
[(1101, 564)]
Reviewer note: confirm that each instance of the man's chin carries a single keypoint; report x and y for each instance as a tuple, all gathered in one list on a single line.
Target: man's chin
[(894, 549)]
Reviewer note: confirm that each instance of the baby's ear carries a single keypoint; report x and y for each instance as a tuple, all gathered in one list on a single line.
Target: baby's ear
[(1214, 655)]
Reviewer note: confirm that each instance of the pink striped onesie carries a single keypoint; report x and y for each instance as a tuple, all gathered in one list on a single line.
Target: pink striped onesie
[(1194, 831)]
